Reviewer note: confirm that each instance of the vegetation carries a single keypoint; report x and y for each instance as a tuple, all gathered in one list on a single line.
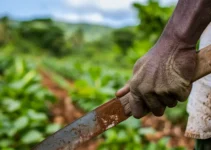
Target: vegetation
[(97, 60), (24, 119)]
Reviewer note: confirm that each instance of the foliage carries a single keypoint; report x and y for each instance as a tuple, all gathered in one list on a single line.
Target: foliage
[(23, 115), (96, 86), (93, 85), (92, 32), (125, 136), (3, 30), (178, 114), (130, 135), (124, 38), (48, 36), (45, 34), (77, 40), (153, 18), (98, 59)]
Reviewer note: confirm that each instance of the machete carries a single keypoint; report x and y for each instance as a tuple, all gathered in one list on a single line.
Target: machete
[(107, 115)]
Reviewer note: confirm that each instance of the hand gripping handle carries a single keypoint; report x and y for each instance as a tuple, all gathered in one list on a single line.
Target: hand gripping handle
[(203, 68)]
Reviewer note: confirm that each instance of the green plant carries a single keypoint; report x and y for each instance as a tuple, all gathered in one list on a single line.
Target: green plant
[(130, 135), (96, 86), (178, 114), (23, 105)]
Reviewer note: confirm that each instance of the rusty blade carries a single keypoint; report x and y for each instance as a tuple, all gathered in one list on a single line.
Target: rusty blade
[(90, 125)]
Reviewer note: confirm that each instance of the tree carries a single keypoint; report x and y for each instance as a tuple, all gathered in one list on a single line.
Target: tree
[(77, 39), (4, 27), (124, 38), (45, 34), (152, 19)]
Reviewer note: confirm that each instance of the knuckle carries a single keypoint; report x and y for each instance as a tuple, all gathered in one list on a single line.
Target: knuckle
[(173, 104), (148, 93), (137, 116), (180, 95), (158, 112), (161, 91), (133, 83), (135, 89)]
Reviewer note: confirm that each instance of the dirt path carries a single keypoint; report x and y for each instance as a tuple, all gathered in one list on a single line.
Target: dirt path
[(163, 128), (64, 112)]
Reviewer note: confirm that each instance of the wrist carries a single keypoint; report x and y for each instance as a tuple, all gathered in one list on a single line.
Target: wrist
[(168, 43), (189, 20)]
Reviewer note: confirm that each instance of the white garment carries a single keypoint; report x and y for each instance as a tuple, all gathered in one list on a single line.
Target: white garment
[(199, 103)]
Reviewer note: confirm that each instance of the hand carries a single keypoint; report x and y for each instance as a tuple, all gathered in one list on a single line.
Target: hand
[(161, 78)]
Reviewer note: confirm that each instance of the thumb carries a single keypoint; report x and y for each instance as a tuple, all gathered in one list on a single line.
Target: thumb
[(123, 91)]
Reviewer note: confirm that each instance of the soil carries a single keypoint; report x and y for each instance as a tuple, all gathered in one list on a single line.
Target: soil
[(65, 112), (163, 128)]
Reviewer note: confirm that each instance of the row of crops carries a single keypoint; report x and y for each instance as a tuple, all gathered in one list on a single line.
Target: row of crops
[(95, 84), (25, 117), (24, 114)]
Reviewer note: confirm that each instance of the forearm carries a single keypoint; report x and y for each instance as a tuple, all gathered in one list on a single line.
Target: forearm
[(189, 20)]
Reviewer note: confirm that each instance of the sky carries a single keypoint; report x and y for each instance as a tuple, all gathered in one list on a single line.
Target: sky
[(116, 13)]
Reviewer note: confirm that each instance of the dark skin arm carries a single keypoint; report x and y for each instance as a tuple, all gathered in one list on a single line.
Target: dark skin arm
[(163, 76)]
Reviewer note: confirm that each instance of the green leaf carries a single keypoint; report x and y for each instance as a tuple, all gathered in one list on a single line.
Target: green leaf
[(111, 135), (52, 128), (144, 131), (12, 132), (132, 123), (36, 115), (122, 136), (7, 148), (17, 85), (152, 146), (32, 137), (11, 105), (21, 122), (29, 76), (5, 143), (32, 89), (19, 66)]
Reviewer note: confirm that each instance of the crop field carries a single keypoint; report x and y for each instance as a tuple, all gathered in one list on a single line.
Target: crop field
[(52, 73)]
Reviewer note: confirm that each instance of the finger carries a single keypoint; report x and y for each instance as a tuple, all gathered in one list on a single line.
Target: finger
[(183, 94), (121, 92), (138, 107), (125, 103), (168, 100), (125, 99), (155, 106)]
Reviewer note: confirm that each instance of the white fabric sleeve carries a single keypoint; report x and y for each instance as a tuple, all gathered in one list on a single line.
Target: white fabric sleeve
[(199, 102)]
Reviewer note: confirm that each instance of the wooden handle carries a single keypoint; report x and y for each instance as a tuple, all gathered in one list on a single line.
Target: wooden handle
[(203, 68), (203, 63)]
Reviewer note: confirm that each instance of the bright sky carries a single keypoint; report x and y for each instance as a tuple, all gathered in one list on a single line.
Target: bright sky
[(108, 12)]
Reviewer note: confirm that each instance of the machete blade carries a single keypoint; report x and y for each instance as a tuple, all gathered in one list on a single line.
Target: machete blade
[(88, 126)]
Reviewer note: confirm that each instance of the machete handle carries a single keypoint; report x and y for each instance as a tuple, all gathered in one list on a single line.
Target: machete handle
[(203, 68)]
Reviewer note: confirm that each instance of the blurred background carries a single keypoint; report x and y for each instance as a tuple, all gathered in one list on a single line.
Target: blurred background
[(62, 58)]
